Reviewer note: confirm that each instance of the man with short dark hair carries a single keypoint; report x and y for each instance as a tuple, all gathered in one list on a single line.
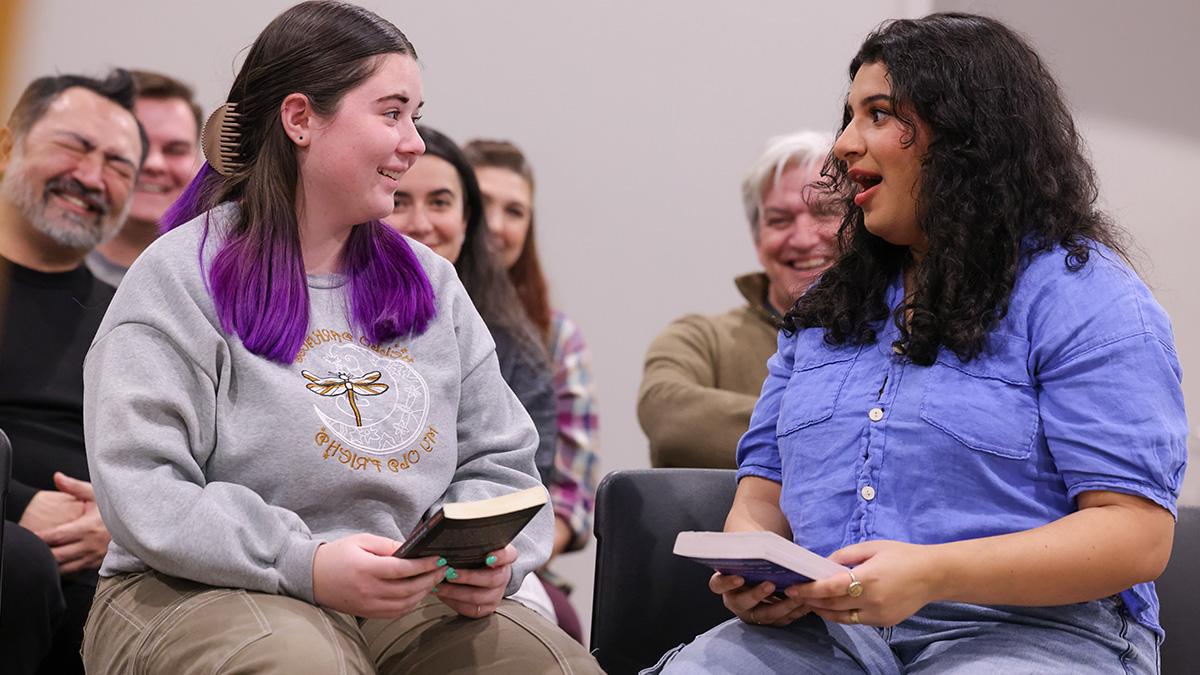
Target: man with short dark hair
[(70, 156), (168, 111)]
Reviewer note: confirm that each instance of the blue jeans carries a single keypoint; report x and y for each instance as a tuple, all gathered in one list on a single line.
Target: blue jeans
[(1090, 637)]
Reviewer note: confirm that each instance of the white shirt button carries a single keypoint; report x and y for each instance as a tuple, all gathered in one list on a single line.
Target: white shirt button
[(876, 414), (867, 492)]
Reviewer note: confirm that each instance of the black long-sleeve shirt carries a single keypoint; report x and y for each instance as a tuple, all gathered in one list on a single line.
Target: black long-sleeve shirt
[(49, 321)]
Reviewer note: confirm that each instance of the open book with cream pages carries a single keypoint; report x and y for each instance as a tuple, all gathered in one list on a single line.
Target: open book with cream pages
[(756, 557)]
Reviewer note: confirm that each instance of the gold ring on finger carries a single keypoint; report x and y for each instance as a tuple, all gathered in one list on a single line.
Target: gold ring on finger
[(854, 616), (855, 588)]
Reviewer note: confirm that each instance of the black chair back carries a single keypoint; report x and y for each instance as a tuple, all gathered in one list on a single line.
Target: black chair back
[(648, 600), (1179, 593), (5, 475)]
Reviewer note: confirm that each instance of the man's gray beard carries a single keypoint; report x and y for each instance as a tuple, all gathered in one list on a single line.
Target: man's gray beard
[(74, 233)]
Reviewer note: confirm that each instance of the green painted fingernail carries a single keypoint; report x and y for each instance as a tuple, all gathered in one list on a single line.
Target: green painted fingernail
[(451, 574), (441, 562), (491, 560)]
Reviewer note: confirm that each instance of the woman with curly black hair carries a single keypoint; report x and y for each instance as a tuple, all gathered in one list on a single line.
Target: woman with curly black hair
[(977, 409)]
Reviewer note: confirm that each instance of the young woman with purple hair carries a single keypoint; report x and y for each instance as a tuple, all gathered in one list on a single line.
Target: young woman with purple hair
[(284, 387)]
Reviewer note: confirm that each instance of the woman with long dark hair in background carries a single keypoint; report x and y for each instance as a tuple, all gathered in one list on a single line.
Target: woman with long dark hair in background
[(977, 407), (284, 387), (506, 179), (438, 203)]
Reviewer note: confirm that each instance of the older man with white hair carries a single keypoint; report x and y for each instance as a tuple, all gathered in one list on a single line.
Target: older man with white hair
[(703, 373)]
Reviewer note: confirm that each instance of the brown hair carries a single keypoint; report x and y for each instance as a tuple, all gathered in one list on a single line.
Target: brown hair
[(162, 87), (526, 273)]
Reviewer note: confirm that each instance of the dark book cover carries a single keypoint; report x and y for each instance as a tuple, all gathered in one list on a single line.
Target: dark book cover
[(754, 571), (465, 543)]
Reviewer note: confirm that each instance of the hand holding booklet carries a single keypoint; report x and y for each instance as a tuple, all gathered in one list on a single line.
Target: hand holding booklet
[(464, 533), (756, 557)]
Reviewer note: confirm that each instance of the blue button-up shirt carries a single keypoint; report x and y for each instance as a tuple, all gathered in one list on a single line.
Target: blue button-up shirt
[(1078, 390)]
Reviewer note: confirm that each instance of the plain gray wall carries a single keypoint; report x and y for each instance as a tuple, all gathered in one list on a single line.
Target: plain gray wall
[(640, 117)]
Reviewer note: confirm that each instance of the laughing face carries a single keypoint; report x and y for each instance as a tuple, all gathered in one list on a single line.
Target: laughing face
[(72, 173), (883, 158), (797, 234)]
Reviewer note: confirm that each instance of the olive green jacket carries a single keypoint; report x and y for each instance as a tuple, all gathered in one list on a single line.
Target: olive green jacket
[(702, 378)]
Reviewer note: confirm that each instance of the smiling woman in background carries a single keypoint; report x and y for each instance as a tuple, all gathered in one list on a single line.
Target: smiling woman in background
[(438, 203), (978, 406), (506, 179)]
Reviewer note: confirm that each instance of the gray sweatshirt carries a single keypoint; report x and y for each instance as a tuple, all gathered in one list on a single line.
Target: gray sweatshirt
[(213, 464)]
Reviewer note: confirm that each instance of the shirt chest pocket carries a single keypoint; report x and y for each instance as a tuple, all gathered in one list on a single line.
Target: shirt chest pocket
[(812, 393), (988, 404)]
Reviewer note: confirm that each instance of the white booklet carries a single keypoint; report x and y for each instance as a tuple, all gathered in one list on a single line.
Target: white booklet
[(756, 557)]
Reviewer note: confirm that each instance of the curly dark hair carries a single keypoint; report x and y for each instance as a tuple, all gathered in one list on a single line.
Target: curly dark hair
[(1005, 177)]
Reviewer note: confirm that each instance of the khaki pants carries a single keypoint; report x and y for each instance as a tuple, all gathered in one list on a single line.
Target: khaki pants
[(149, 623)]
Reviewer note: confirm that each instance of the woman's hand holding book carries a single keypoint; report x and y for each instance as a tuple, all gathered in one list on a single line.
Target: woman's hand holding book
[(895, 580), (358, 575), (758, 604), (476, 593)]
